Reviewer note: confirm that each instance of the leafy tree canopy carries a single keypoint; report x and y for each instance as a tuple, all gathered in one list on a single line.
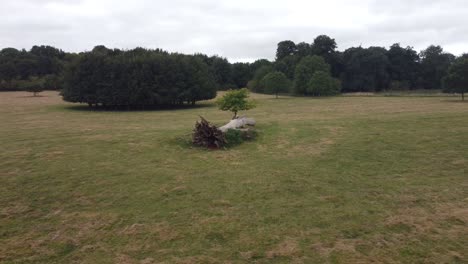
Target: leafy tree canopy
[(276, 82), (285, 48), (235, 101), (456, 80), (322, 84)]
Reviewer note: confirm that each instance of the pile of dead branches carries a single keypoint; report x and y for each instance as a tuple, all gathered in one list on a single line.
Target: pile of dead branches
[(207, 135)]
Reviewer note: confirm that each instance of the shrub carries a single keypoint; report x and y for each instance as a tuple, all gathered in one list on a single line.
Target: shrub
[(236, 137), (233, 137)]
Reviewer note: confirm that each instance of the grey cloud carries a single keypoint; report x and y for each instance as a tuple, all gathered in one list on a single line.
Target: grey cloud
[(239, 30)]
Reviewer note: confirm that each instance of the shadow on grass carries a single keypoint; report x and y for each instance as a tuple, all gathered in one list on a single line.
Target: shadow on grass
[(86, 108), (453, 100), (32, 96)]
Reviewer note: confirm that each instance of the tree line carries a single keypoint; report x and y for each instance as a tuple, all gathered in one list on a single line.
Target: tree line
[(160, 77), (319, 68), (138, 78), (41, 66)]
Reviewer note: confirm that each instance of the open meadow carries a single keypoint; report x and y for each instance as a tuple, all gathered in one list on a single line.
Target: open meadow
[(331, 180)]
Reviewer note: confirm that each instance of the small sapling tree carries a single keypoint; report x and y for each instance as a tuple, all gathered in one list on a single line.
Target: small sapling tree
[(34, 85), (235, 101)]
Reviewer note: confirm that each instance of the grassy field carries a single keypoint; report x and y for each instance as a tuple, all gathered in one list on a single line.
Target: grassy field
[(336, 180)]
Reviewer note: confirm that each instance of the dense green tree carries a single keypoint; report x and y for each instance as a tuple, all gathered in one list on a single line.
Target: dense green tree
[(259, 63), (403, 66), (53, 82), (7, 71), (434, 66), (285, 48), (287, 65), (322, 84), (276, 82), (222, 72), (17, 67), (256, 85), (241, 74), (302, 77), (366, 69), (305, 70), (456, 80), (138, 79), (235, 101), (315, 63), (323, 45), (303, 49)]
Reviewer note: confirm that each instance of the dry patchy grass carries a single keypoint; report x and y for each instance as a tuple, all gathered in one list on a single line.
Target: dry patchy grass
[(332, 180)]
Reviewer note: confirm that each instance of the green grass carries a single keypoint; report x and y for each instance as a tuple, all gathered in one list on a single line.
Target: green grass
[(335, 180)]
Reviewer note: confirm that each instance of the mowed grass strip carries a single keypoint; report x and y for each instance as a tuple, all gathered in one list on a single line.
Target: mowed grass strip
[(337, 180)]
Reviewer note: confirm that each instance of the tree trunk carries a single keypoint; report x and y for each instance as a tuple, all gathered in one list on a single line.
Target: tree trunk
[(238, 123)]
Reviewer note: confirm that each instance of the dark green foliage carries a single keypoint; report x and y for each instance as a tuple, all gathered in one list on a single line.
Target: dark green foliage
[(366, 70), (305, 70), (17, 66), (303, 49), (207, 135), (235, 101), (284, 49), (404, 67), (259, 63), (323, 45), (302, 78), (241, 74), (275, 83), (236, 137), (138, 79), (53, 82), (233, 137), (252, 85), (362, 69), (456, 80), (34, 85), (287, 65), (222, 72), (257, 85), (315, 63), (359, 69), (434, 66), (322, 84)]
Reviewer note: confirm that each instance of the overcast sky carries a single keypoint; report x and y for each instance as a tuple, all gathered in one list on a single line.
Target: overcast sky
[(241, 30)]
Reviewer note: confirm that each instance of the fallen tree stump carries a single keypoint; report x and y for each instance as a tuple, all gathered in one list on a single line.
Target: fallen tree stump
[(238, 123), (209, 136)]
